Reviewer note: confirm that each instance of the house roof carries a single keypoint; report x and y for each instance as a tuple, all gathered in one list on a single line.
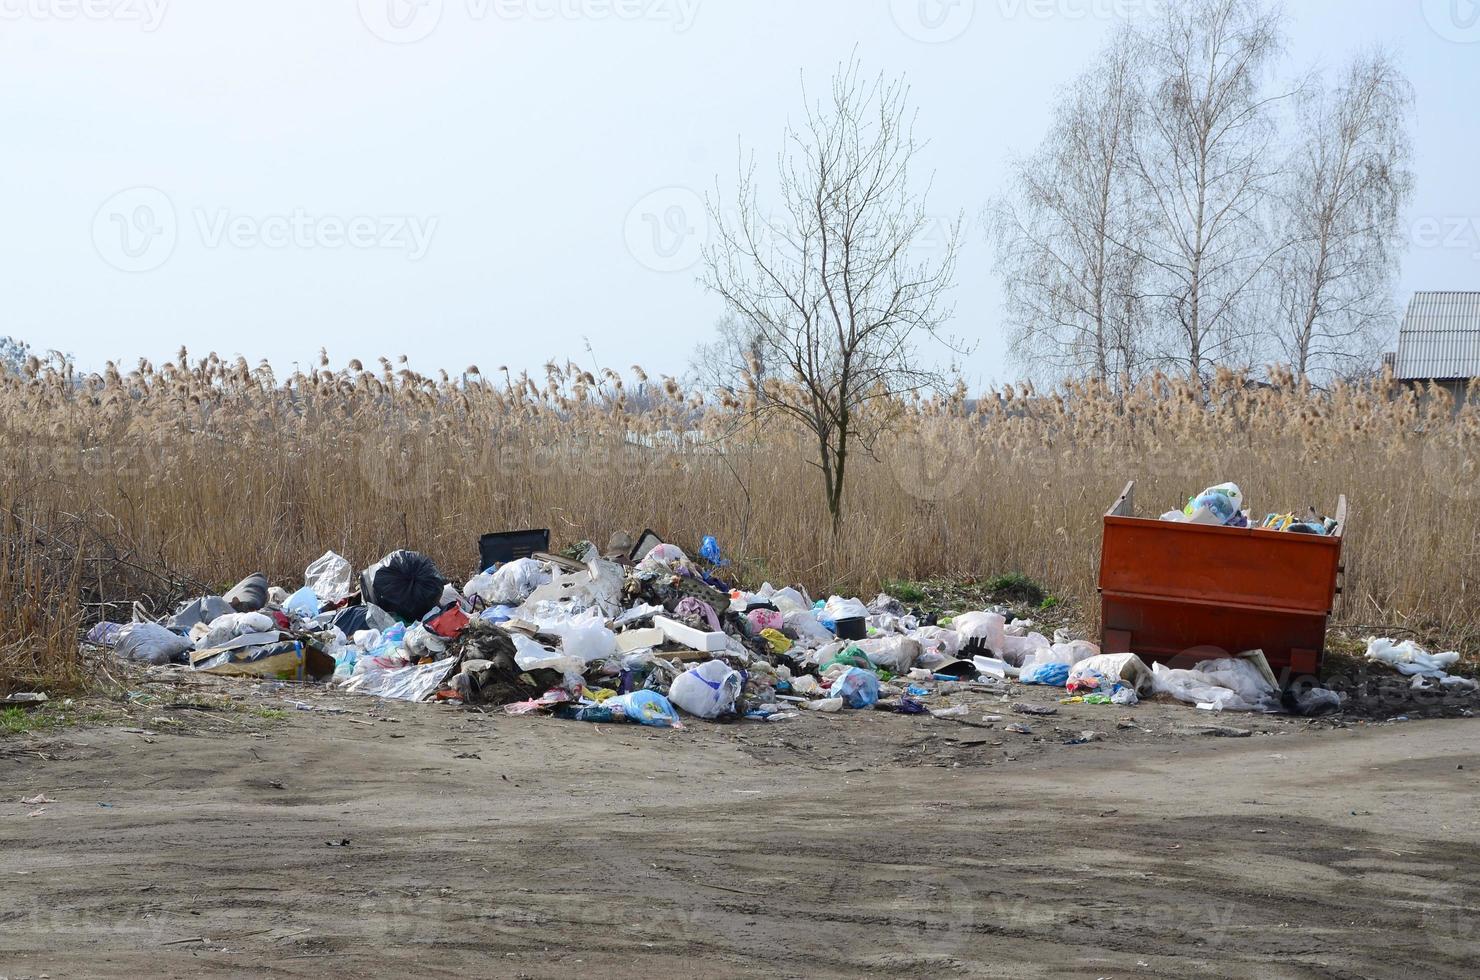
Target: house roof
[(1440, 338)]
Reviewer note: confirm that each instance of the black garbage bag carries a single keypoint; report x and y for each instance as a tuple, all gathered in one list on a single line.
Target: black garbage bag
[(248, 595), (403, 583), (353, 619)]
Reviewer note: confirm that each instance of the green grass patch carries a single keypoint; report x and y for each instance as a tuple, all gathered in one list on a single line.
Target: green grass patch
[(905, 591), (23, 721), (1017, 587)]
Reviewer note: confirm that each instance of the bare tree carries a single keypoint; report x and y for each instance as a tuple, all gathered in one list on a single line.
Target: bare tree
[(833, 285), (1074, 286), (1343, 197), (1205, 161)]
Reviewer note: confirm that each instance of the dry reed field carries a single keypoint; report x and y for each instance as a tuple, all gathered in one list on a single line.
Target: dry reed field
[(161, 482)]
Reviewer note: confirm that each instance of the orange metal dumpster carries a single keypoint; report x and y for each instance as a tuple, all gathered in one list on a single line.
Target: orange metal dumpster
[(1183, 592)]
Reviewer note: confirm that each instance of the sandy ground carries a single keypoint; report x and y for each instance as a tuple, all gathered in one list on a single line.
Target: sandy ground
[(390, 840)]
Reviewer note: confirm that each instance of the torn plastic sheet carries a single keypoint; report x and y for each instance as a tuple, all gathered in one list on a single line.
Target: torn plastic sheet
[(413, 683)]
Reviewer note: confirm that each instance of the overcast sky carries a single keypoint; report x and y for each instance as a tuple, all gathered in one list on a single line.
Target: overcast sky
[(498, 182)]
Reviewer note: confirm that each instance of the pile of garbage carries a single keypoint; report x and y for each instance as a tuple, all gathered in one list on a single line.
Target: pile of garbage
[(654, 636), (1223, 506)]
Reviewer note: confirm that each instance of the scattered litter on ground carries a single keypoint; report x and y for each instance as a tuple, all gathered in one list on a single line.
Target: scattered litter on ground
[(650, 636)]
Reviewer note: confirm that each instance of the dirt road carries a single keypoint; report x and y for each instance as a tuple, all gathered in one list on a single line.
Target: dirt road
[(428, 841)]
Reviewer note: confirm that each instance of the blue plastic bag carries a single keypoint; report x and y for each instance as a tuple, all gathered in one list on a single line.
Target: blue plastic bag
[(645, 708), (710, 550), (303, 604), (857, 687), (1049, 675)]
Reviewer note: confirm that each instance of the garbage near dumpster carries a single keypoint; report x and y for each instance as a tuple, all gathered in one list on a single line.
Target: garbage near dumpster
[(656, 638), (1428, 670), (1243, 683)]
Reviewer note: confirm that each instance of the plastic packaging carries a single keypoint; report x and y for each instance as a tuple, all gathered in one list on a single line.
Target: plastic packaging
[(510, 584), (765, 619), (803, 624), (303, 604), (711, 553), (403, 583), (707, 691), (1126, 668), (896, 654), (248, 595), (229, 627), (857, 687), (1211, 684), (151, 643), (838, 608), (331, 577), (586, 638), (411, 683), (644, 708), (1049, 675), (981, 629)]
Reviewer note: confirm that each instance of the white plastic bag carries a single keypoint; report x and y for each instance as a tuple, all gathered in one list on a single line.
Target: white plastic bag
[(985, 628), (896, 654), (1219, 685), (585, 638), (331, 577), (530, 654), (839, 608), (802, 624), (708, 690), (1410, 659), (1021, 650), (938, 640), (511, 584)]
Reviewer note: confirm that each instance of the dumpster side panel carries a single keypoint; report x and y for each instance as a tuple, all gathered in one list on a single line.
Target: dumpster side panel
[(1180, 592)]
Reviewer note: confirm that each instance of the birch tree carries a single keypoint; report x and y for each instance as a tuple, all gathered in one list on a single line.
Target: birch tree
[(1074, 285), (1206, 162), (1343, 195)]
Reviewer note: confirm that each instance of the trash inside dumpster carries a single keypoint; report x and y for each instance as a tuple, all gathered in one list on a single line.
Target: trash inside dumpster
[(1200, 581)]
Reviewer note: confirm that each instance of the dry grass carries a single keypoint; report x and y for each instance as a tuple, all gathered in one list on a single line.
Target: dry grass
[(211, 470)]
